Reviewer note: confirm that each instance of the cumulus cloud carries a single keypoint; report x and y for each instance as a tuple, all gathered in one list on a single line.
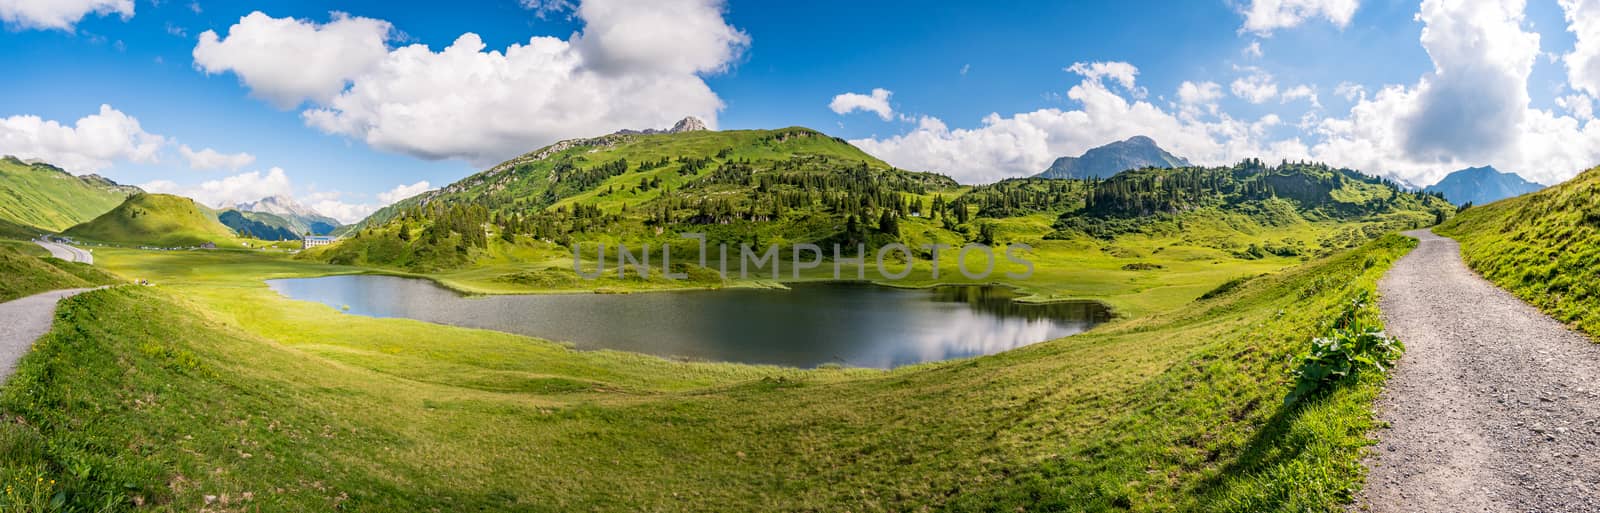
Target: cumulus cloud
[(1302, 92), (287, 61), (1472, 109), (401, 192), (59, 14), (1192, 93), (333, 204), (93, 143), (1122, 72), (246, 187), (1253, 50), (1264, 16), (209, 159), (1350, 91), (671, 37), (1583, 64), (1025, 143), (633, 65), (1581, 106), (877, 102), (1257, 87), (229, 191), (1479, 85), (544, 8)]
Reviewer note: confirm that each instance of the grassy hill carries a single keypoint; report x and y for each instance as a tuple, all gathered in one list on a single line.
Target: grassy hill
[(214, 390), (156, 220), (26, 275), (798, 185), (1544, 247), (44, 197), (792, 184)]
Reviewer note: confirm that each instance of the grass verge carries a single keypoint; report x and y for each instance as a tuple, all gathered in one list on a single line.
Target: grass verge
[(213, 393)]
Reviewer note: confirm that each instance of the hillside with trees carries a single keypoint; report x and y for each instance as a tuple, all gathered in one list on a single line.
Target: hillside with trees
[(797, 185)]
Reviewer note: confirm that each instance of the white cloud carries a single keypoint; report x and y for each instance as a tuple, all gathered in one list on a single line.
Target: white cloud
[(401, 192), (1124, 73), (671, 37), (246, 187), (1302, 92), (288, 61), (1264, 16), (633, 65), (93, 143), (229, 191), (1581, 106), (331, 203), (1583, 64), (1472, 109), (877, 102), (1350, 91), (59, 14), (1025, 143), (1257, 87), (965, 68), (346, 213), (1254, 50), (543, 8), (212, 159), (1202, 93)]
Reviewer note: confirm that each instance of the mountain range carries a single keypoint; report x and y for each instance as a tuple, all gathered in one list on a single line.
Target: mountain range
[(37, 197), (799, 184), (1481, 185), (277, 218), (1137, 152)]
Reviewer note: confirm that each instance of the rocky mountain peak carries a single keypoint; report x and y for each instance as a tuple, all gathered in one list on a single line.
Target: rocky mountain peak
[(688, 124)]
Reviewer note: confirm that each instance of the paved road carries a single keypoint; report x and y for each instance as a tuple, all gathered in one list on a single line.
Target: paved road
[(68, 253), (1494, 406), (23, 321)]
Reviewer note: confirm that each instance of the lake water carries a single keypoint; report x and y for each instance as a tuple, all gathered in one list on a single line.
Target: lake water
[(853, 324)]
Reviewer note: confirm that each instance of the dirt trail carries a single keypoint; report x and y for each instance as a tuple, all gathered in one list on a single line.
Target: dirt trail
[(1494, 407), (23, 321)]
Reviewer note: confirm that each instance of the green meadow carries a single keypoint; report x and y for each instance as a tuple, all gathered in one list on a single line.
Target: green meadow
[(209, 391)]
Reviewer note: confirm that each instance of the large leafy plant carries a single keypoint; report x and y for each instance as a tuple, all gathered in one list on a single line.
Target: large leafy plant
[(1354, 344)]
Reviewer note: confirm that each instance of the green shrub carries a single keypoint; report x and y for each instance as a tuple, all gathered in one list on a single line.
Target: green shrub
[(1355, 344)]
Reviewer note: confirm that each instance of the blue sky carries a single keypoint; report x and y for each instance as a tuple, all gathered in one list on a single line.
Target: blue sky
[(349, 105)]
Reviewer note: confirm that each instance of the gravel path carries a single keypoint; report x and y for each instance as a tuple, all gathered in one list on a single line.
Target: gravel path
[(1494, 407), (68, 253), (23, 321)]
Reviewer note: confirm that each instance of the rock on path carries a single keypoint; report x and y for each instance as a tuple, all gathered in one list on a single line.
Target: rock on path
[(1494, 407)]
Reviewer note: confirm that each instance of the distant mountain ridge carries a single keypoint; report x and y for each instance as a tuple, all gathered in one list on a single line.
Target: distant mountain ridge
[(38, 197), (274, 214), (688, 124), (1137, 152), (1482, 185)]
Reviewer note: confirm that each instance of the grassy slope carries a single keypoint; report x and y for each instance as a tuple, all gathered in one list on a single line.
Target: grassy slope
[(213, 385), (1544, 247), (156, 220), (1159, 265), (25, 274), (47, 198)]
